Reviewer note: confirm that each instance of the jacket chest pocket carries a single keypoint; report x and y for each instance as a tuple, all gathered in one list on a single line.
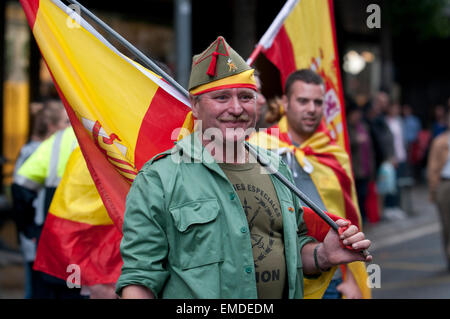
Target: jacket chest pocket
[(198, 238)]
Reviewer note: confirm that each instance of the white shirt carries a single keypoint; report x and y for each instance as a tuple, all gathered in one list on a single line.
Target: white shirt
[(395, 126)]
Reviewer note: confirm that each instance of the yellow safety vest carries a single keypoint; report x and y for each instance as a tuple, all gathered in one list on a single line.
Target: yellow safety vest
[(45, 167)]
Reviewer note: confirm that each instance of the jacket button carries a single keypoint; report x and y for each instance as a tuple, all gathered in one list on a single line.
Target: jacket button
[(232, 196), (248, 270), (243, 229)]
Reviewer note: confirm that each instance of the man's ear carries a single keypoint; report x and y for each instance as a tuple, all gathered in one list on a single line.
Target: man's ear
[(194, 105), (285, 101)]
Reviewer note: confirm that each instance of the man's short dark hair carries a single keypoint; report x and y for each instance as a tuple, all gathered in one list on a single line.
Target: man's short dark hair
[(305, 75)]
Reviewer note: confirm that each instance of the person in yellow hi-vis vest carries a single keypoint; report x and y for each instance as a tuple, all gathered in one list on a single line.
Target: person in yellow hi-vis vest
[(43, 170), (47, 118)]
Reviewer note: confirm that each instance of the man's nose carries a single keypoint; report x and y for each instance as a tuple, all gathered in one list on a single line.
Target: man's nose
[(310, 106), (235, 106)]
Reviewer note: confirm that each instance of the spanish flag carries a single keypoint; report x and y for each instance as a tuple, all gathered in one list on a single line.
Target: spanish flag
[(303, 36), (122, 115)]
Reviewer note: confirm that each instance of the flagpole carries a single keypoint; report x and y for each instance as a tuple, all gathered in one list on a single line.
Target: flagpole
[(254, 54), (316, 209), (272, 31), (147, 61)]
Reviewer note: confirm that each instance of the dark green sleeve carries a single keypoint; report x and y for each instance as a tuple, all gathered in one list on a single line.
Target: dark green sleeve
[(144, 247)]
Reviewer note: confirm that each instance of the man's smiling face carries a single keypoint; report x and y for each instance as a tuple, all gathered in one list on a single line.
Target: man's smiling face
[(231, 111)]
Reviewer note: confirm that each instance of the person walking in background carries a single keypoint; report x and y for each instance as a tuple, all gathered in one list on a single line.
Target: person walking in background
[(383, 146), (440, 121), (438, 175), (383, 141), (362, 154), (275, 110), (48, 118), (411, 125), (38, 176), (395, 125), (412, 131)]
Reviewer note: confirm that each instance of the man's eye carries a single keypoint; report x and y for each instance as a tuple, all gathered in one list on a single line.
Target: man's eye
[(303, 101), (221, 97), (246, 98), (318, 102)]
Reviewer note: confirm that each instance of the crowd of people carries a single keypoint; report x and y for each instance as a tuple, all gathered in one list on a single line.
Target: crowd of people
[(389, 150), (392, 150)]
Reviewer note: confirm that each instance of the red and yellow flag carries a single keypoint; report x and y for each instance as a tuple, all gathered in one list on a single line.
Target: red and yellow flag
[(303, 36), (122, 115), (78, 230)]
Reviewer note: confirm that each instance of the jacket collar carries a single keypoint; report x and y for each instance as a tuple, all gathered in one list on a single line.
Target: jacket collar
[(194, 152), (193, 149)]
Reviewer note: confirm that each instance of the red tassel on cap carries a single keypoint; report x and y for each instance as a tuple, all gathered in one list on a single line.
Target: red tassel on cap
[(212, 65)]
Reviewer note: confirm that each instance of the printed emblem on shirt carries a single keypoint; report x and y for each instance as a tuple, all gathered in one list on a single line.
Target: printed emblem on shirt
[(261, 204)]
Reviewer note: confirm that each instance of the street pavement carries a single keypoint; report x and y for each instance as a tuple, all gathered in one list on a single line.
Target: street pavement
[(11, 264), (409, 253), (408, 259)]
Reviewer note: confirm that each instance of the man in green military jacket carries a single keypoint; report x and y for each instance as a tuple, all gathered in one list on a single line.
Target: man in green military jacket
[(205, 220)]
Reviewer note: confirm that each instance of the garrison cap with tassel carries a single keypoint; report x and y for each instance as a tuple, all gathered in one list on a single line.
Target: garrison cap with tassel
[(219, 67)]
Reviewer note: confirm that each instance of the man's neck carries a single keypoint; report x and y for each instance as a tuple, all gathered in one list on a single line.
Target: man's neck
[(296, 137), (231, 153)]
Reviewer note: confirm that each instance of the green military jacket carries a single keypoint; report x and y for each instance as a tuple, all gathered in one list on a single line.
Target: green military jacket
[(185, 233)]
